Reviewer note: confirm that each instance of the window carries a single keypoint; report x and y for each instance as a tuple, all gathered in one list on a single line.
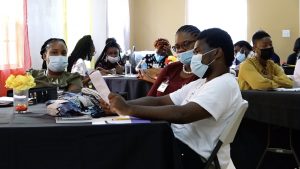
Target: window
[(118, 21), (229, 15), (14, 48), (11, 34)]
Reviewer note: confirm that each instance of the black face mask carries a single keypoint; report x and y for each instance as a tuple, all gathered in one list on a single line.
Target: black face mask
[(266, 53)]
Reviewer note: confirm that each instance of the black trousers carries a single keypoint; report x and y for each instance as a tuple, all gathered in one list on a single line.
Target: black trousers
[(189, 158)]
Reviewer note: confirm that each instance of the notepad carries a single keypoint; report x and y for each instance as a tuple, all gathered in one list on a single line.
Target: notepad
[(118, 120), (74, 119)]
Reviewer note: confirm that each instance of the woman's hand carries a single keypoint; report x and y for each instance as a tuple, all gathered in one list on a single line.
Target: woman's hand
[(118, 104), (119, 69), (103, 71), (140, 75)]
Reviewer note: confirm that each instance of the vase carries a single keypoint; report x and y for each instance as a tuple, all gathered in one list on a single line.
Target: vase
[(20, 100)]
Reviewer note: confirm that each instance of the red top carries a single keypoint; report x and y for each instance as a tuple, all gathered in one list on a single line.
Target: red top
[(172, 73)]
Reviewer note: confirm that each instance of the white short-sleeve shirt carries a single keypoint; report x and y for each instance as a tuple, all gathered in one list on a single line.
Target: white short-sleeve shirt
[(80, 68), (220, 97)]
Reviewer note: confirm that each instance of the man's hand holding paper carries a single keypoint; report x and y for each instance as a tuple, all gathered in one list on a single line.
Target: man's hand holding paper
[(118, 104)]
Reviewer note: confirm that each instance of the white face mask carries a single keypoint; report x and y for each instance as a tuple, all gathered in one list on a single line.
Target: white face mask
[(240, 56), (113, 59), (57, 63), (198, 68)]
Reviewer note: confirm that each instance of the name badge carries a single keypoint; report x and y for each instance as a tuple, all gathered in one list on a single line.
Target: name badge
[(163, 87)]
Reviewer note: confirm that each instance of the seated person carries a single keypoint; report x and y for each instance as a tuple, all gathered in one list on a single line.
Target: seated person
[(292, 58), (178, 74), (109, 61), (82, 53), (242, 49), (54, 53), (200, 110), (84, 50), (260, 72), (275, 58), (162, 51)]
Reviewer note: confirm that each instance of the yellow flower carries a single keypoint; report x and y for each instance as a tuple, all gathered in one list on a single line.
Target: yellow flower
[(20, 82)]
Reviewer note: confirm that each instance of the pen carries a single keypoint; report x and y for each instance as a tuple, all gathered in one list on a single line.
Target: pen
[(121, 118)]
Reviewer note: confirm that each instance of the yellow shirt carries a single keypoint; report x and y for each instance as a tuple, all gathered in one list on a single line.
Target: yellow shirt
[(252, 75)]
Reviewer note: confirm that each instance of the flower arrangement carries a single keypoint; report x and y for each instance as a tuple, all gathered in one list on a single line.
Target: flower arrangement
[(171, 59), (20, 82)]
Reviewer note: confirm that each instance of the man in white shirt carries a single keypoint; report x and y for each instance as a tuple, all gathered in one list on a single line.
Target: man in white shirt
[(200, 110)]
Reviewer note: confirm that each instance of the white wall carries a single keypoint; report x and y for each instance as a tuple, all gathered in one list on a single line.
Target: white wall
[(46, 20)]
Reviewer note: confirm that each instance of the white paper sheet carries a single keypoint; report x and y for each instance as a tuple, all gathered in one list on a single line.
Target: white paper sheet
[(288, 89), (100, 85)]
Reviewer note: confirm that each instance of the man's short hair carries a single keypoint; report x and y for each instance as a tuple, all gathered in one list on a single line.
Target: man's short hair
[(259, 35), (216, 38)]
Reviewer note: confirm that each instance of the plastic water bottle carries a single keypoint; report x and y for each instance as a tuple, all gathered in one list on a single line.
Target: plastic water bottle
[(127, 68)]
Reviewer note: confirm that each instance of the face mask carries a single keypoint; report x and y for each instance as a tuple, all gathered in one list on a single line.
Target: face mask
[(266, 53), (159, 58), (198, 68), (113, 59), (240, 56), (57, 63), (186, 57)]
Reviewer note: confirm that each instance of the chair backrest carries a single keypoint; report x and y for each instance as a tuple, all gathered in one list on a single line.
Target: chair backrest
[(229, 132), (137, 56), (227, 135)]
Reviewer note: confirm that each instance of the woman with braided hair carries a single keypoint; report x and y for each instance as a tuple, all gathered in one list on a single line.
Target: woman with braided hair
[(83, 50), (110, 61), (177, 74), (44, 50), (54, 54)]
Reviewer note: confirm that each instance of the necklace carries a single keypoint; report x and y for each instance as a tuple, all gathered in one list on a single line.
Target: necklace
[(184, 71)]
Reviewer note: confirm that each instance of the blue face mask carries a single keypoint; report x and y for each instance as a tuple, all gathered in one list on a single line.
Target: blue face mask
[(57, 63), (159, 58), (186, 57), (240, 57), (198, 68)]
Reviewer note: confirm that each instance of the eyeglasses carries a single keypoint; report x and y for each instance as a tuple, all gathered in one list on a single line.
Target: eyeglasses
[(184, 45)]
